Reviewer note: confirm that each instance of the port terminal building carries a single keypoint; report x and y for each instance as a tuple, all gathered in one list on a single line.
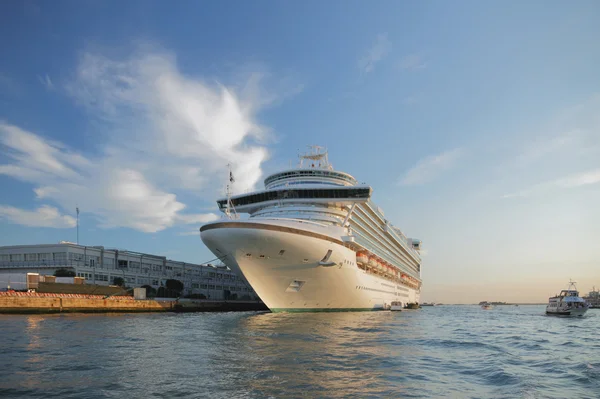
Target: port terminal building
[(100, 265)]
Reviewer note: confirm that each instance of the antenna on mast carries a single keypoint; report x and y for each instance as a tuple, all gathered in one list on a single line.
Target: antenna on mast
[(229, 202), (315, 157), (77, 210)]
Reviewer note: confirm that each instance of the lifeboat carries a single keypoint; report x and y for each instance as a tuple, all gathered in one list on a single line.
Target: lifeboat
[(373, 262), (362, 257)]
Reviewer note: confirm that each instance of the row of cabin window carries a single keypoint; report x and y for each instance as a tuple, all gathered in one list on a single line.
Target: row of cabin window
[(299, 194), (309, 173)]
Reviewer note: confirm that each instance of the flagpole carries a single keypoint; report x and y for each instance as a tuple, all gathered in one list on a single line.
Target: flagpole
[(77, 209), (229, 203)]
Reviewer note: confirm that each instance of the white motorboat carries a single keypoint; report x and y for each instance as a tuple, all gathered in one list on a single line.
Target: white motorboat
[(567, 303)]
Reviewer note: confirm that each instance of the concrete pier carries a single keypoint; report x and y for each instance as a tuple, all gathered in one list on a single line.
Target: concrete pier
[(27, 303)]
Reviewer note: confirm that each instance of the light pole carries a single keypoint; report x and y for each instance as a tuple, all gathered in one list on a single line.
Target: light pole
[(77, 209)]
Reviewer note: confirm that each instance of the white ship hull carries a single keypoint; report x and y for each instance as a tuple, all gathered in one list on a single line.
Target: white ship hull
[(283, 266), (566, 312)]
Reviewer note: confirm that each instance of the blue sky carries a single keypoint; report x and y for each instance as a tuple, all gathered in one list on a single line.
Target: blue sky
[(478, 125)]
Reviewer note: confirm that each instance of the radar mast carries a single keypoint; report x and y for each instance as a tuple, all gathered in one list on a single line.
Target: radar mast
[(316, 157)]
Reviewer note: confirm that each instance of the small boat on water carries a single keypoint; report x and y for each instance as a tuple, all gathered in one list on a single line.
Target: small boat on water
[(486, 306), (567, 303), (396, 306), (428, 304)]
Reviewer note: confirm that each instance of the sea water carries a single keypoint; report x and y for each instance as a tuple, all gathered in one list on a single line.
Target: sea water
[(443, 351)]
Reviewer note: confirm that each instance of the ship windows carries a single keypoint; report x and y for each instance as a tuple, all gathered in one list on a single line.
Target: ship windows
[(261, 256), (281, 252), (305, 260), (342, 193), (248, 255)]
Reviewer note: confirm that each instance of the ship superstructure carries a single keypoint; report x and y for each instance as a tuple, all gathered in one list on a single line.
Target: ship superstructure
[(593, 298), (314, 240)]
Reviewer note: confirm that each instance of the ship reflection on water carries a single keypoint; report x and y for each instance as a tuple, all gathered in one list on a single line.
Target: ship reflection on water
[(343, 354)]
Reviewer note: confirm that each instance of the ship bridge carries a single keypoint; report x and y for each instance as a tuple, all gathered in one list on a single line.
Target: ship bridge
[(314, 169), (338, 196)]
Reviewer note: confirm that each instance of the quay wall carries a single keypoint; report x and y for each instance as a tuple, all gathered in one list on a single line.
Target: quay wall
[(88, 289), (25, 303)]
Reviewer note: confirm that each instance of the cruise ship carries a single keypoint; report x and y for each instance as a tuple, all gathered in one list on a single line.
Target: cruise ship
[(315, 241)]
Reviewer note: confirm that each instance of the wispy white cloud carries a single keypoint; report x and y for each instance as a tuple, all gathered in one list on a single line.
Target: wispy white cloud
[(412, 62), (44, 216), (571, 133), (167, 134), (119, 195), (200, 218), (46, 81), (376, 53), (556, 154), (427, 169), (545, 147), (572, 181), (157, 111)]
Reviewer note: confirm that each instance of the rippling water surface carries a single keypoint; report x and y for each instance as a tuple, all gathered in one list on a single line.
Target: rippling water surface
[(443, 351)]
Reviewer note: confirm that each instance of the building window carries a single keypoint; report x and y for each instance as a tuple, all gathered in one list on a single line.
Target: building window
[(59, 256), (75, 256)]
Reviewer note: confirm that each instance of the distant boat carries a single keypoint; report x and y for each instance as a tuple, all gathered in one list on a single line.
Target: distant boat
[(396, 306), (567, 303), (593, 299), (486, 306), (428, 304)]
